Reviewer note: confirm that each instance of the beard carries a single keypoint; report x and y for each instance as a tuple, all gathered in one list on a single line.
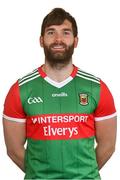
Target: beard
[(57, 57)]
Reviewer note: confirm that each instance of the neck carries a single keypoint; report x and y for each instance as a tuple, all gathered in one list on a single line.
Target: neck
[(59, 72)]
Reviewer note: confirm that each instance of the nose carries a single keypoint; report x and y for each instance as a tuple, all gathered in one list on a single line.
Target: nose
[(58, 37)]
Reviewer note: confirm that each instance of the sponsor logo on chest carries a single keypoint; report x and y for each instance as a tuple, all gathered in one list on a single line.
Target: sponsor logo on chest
[(60, 126)]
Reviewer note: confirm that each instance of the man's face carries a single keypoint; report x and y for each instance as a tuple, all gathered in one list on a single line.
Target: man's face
[(59, 43)]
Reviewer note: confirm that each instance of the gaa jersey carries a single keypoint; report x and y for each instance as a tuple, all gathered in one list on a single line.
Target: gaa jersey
[(60, 122)]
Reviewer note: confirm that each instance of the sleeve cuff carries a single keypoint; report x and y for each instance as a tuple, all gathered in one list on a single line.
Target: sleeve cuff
[(20, 120), (105, 117)]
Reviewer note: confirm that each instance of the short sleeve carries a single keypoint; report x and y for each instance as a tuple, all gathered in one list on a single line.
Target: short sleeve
[(106, 107), (13, 110)]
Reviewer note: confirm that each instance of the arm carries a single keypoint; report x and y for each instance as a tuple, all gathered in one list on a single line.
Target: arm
[(106, 139), (14, 134)]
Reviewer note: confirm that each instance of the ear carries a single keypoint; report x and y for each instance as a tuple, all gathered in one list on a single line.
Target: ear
[(41, 41), (75, 42)]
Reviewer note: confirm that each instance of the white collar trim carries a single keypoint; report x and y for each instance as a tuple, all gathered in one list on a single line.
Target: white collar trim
[(58, 84)]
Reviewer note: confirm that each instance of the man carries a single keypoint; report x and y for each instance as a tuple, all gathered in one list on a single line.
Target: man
[(60, 111)]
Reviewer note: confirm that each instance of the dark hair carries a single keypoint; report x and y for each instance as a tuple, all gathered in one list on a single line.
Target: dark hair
[(56, 17)]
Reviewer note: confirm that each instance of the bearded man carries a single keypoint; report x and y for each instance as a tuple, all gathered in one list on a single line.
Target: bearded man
[(60, 111)]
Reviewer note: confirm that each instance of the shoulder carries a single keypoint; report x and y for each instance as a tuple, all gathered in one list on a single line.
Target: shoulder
[(29, 77), (87, 76)]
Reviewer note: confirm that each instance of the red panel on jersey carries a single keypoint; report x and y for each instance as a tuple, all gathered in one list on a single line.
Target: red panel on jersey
[(74, 72), (13, 107), (42, 73), (60, 126), (106, 103)]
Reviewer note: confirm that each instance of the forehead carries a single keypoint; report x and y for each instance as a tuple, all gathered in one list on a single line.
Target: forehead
[(65, 25)]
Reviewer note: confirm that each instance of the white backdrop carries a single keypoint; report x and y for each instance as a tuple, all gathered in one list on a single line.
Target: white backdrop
[(98, 53)]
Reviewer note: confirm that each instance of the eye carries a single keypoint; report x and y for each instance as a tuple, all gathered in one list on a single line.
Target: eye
[(50, 32), (67, 33)]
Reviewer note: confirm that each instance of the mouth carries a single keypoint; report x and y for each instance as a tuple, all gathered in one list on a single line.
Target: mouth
[(58, 48)]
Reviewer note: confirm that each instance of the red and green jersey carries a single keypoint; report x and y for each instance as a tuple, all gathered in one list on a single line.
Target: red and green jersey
[(60, 122)]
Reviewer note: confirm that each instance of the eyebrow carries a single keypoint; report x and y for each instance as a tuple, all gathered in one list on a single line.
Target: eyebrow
[(67, 29), (49, 29), (53, 29)]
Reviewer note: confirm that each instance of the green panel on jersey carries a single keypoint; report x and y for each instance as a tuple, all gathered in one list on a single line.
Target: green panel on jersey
[(72, 159)]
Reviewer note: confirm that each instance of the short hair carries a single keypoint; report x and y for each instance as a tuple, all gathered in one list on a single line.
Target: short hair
[(56, 17)]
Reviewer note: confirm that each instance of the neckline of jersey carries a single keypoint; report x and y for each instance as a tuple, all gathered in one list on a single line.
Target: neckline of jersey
[(54, 83)]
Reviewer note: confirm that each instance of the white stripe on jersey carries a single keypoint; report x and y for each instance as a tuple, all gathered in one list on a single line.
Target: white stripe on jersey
[(28, 76), (105, 117), (87, 74), (90, 79), (14, 119), (29, 80)]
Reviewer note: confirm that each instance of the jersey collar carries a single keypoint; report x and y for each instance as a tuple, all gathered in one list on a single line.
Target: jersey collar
[(58, 84)]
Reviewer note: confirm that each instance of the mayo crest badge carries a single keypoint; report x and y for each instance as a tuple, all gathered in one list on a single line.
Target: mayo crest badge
[(83, 98)]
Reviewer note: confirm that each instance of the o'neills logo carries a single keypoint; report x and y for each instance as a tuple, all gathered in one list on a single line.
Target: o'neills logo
[(60, 126), (62, 94)]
